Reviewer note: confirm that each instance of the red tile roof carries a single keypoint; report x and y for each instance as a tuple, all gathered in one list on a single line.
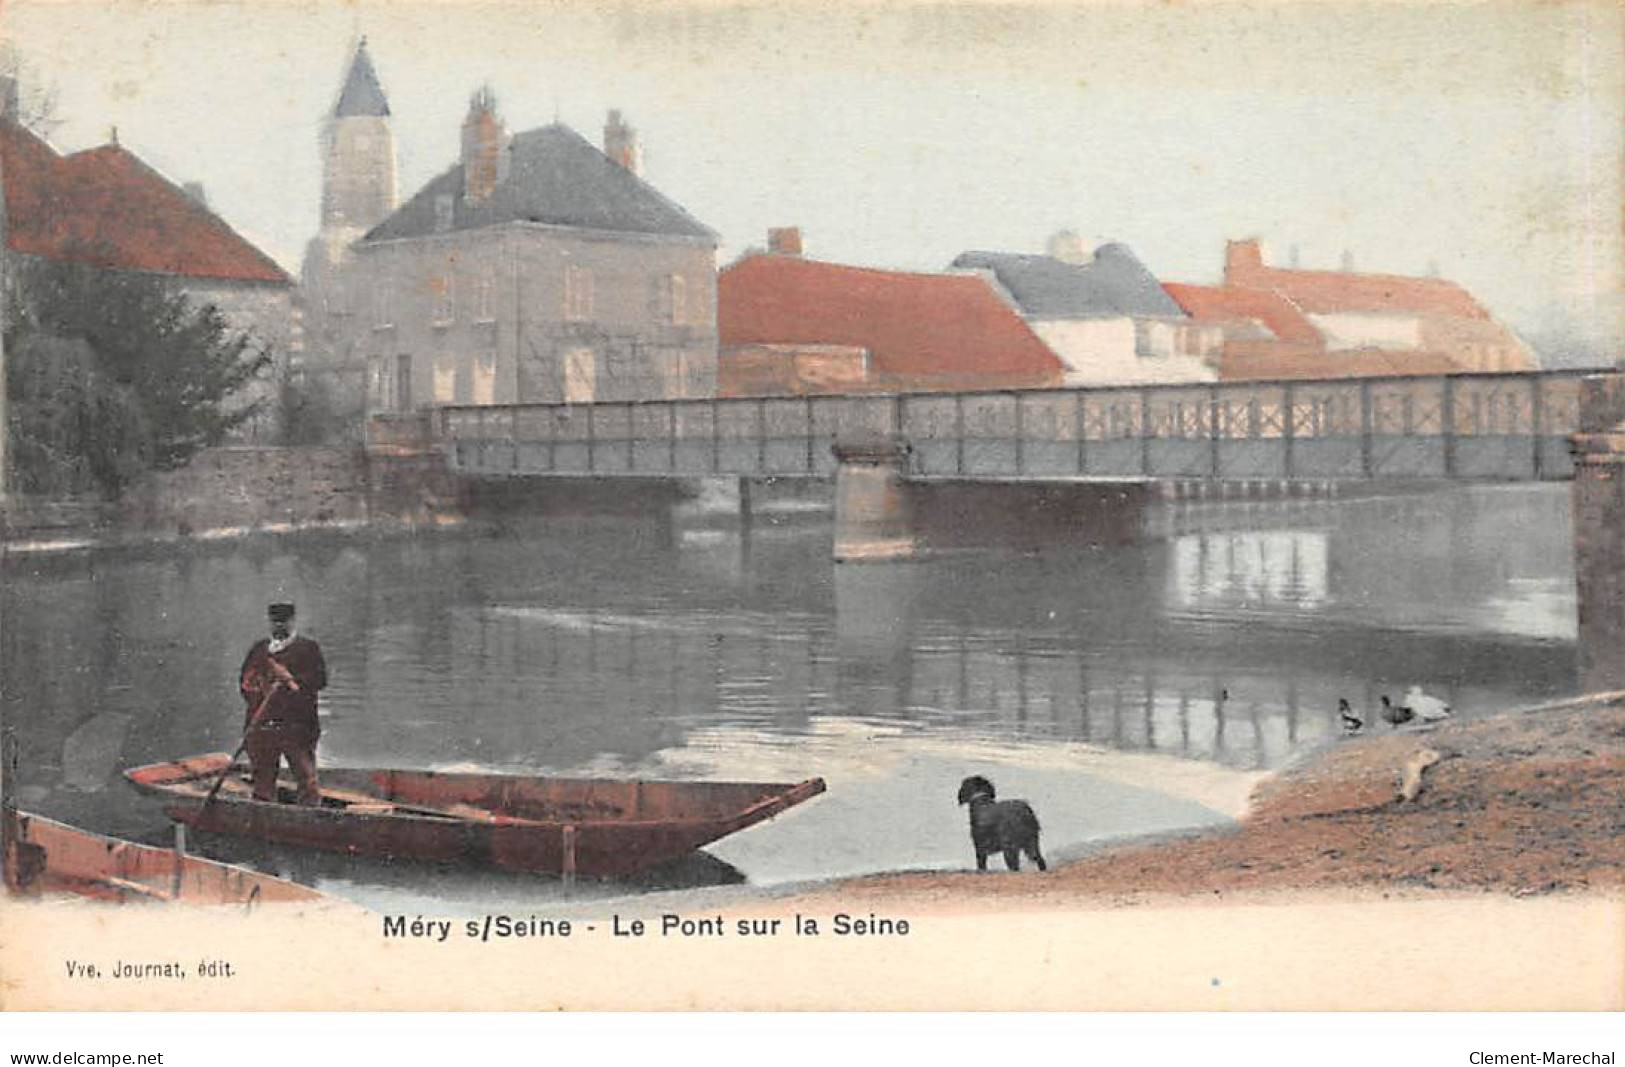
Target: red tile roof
[(1243, 363), (1320, 292), (106, 207), (921, 330), (1209, 303)]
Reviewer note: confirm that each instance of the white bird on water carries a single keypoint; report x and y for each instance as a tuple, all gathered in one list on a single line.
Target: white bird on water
[(1427, 708)]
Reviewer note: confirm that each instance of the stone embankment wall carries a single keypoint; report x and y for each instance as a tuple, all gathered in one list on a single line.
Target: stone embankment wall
[(228, 488), (247, 489)]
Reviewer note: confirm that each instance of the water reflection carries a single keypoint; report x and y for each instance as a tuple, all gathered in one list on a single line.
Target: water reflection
[(1238, 570), (623, 646)]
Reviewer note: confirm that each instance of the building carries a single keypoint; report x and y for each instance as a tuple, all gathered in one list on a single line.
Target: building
[(1104, 314), (536, 268), (1290, 323), (359, 191), (794, 325), (106, 208)]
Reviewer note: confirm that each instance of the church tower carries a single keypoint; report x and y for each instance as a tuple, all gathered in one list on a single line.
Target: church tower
[(358, 180), (358, 192)]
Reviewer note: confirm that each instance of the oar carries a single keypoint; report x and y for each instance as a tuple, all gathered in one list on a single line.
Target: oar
[(253, 719)]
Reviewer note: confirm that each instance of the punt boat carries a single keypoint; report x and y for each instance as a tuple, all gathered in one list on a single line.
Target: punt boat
[(601, 828), (44, 857)]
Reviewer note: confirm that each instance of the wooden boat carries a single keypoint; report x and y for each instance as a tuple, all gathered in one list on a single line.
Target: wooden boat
[(596, 827), (46, 857)]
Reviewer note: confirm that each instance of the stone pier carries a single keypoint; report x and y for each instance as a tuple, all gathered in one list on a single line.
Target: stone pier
[(408, 478), (1599, 531), (873, 517)]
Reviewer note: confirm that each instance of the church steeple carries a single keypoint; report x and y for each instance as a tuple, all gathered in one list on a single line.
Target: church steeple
[(358, 181), (362, 95)]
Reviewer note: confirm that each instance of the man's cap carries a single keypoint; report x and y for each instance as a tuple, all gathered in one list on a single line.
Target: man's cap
[(280, 612)]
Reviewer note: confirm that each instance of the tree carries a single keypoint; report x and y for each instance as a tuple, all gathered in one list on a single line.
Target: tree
[(74, 430), (161, 376), (305, 414)]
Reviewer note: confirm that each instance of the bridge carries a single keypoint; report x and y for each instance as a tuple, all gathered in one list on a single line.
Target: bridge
[(1082, 460), (1470, 427)]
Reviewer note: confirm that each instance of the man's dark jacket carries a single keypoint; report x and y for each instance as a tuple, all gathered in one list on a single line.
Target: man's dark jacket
[(291, 715)]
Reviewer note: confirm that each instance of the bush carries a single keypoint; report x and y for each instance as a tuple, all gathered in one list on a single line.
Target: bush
[(114, 373)]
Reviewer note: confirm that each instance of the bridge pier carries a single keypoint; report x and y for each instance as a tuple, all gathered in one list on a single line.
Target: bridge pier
[(873, 517), (1599, 531), (746, 516), (408, 478)]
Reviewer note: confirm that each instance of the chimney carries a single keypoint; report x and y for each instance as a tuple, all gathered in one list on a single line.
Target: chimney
[(9, 107), (621, 143), (194, 191), (784, 241), (485, 143), (1242, 259), (1067, 247), (1348, 262)]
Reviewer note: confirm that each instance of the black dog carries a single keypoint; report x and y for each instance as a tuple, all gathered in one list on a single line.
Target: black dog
[(1007, 826)]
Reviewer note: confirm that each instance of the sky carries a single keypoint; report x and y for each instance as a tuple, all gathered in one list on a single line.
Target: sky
[(1481, 139)]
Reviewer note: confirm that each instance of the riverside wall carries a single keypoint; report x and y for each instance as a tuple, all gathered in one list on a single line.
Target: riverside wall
[(253, 489)]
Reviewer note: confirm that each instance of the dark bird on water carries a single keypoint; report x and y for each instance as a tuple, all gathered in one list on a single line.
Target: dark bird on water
[(1395, 715), (1351, 722), (1007, 826)]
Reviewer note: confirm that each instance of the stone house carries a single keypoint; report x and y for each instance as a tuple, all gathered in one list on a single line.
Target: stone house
[(1290, 323), (106, 208), (535, 269), (1104, 314)]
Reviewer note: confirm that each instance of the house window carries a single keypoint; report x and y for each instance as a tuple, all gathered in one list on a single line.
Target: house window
[(679, 300), (485, 378), (445, 379), (676, 371), (580, 376), (671, 299), (383, 314), (403, 383), (445, 299), (485, 286), (1152, 340), (378, 392), (577, 294)]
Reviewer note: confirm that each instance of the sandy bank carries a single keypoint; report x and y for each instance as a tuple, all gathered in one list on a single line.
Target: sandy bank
[(1523, 802)]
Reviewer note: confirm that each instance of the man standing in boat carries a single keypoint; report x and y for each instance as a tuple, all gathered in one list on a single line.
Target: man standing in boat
[(279, 680)]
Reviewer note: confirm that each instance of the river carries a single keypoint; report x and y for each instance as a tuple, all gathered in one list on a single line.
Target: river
[(1123, 690)]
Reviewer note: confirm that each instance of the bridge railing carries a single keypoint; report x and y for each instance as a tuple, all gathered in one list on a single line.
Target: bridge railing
[(1489, 426)]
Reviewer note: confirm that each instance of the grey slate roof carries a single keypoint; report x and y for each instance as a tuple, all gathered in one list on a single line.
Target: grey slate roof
[(554, 176), (362, 95), (1115, 283)]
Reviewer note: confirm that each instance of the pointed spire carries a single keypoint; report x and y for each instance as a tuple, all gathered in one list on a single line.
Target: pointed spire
[(362, 94)]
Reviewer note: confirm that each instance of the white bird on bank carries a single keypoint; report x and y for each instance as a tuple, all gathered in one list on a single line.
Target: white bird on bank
[(1427, 708)]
